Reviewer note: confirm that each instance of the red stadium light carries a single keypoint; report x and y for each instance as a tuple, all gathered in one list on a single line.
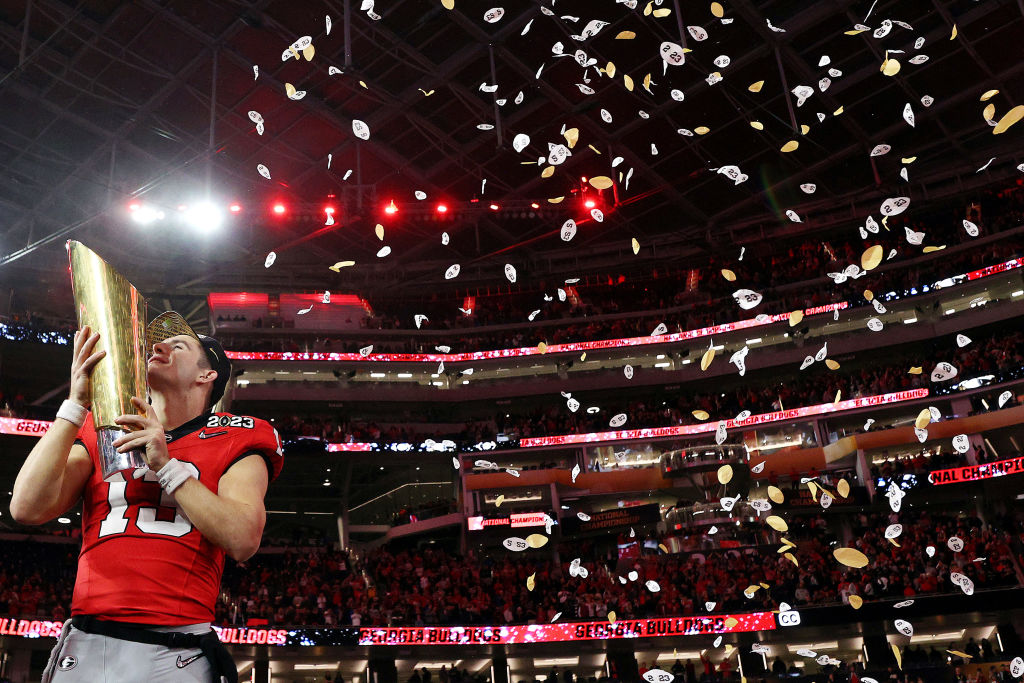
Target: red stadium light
[(280, 209), (391, 209), (442, 208), (235, 208), (590, 203), (329, 210)]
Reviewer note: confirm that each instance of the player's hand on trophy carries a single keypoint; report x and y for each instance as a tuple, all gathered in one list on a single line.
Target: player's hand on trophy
[(84, 359), (147, 435)]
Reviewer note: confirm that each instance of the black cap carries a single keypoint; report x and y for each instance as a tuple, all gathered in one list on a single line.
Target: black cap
[(172, 324)]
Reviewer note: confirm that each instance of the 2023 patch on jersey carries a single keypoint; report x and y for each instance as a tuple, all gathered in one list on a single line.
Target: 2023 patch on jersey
[(142, 560)]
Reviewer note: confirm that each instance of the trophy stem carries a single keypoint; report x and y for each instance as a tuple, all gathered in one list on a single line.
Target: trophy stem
[(113, 461)]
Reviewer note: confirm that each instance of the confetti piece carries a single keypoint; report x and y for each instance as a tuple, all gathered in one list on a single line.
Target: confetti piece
[(542, 347), (850, 557), (755, 87), (263, 171), (872, 257), (899, 656), (384, 251), (777, 523), (537, 540), (705, 361), (776, 495), (729, 275), (856, 601), (601, 182), (636, 246), (611, 617), (717, 10), (700, 414), (499, 500), (725, 474), (360, 129), (789, 146), (1011, 117), (530, 582), (987, 95), (795, 318), (952, 35), (757, 125), (379, 231)]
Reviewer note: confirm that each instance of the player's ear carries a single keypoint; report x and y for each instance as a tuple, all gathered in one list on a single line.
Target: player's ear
[(208, 376)]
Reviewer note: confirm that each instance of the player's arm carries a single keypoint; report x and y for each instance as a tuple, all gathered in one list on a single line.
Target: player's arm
[(234, 517), (54, 474)]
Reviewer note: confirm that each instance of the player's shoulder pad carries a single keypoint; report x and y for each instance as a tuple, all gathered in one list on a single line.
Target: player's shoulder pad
[(253, 434)]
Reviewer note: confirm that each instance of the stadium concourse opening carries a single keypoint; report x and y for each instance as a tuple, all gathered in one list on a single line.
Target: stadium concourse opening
[(576, 341)]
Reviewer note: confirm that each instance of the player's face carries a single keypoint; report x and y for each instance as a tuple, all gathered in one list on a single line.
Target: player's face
[(175, 363)]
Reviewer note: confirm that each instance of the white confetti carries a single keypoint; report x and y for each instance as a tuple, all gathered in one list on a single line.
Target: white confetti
[(360, 129)]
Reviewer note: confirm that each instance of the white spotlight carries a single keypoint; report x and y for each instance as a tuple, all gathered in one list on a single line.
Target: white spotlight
[(204, 216), (144, 215)]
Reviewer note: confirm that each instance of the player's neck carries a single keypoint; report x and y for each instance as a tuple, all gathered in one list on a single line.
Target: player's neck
[(174, 410)]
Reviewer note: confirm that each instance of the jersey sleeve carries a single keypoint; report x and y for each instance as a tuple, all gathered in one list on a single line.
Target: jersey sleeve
[(264, 440)]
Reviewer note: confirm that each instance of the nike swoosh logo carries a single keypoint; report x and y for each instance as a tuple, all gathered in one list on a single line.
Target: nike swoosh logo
[(182, 663), (204, 435)]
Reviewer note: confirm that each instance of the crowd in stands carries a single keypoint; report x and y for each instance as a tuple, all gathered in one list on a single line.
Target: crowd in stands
[(687, 296), (999, 354), (433, 586)]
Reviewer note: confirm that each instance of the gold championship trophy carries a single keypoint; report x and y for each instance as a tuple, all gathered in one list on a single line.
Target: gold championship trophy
[(112, 306)]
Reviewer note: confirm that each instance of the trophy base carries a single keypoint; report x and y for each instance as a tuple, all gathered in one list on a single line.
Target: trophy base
[(110, 459)]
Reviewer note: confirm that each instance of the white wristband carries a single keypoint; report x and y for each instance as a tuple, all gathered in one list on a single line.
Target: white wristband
[(173, 474), (73, 413)]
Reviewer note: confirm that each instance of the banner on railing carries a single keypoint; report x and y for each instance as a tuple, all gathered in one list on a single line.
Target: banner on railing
[(553, 633), (990, 470)]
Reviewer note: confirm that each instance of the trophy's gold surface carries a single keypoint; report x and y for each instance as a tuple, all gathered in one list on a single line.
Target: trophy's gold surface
[(109, 304)]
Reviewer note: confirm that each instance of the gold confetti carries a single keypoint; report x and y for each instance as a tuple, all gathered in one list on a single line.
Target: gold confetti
[(717, 10), (363, 83), (988, 95), (813, 488), (893, 541), (542, 347), (448, 4), (610, 69), (988, 112), (916, 370), (728, 275), (791, 558), (899, 656), (556, 200), (839, 395), (843, 488), (341, 264), (831, 364), (547, 172), (764, 585), (777, 523), (1009, 118), (648, 8), (750, 590), (701, 130), (628, 81), (596, 150), (625, 35), (379, 230), (636, 246), (788, 542), (755, 87), (776, 495), (952, 35), (869, 295), (731, 622), (530, 583), (837, 112), (425, 93), (924, 418), (804, 129), (757, 125), (308, 52), (850, 557), (611, 617), (663, 548), (583, 357), (871, 257), (725, 474), (647, 83), (499, 500), (962, 655), (289, 89), (701, 414), (890, 67), (601, 182), (659, 13), (856, 601), (537, 540), (907, 160), (795, 318), (705, 361), (854, 32), (572, 136), (928, 250), (789, 146)]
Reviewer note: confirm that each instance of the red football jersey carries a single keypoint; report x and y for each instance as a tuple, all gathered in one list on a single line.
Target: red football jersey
[(142, 561)]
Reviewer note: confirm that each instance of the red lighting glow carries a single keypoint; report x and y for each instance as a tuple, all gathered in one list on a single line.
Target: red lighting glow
[(495, 207), (391, 209), (329, 210), (235, 208), (590, 203), (280, 208), (442, 208)]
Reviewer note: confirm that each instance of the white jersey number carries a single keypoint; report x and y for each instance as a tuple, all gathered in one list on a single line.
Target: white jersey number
[(116, 521)]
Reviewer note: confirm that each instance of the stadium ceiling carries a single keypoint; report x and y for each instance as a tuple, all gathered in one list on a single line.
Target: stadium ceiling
[(109, 102)]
